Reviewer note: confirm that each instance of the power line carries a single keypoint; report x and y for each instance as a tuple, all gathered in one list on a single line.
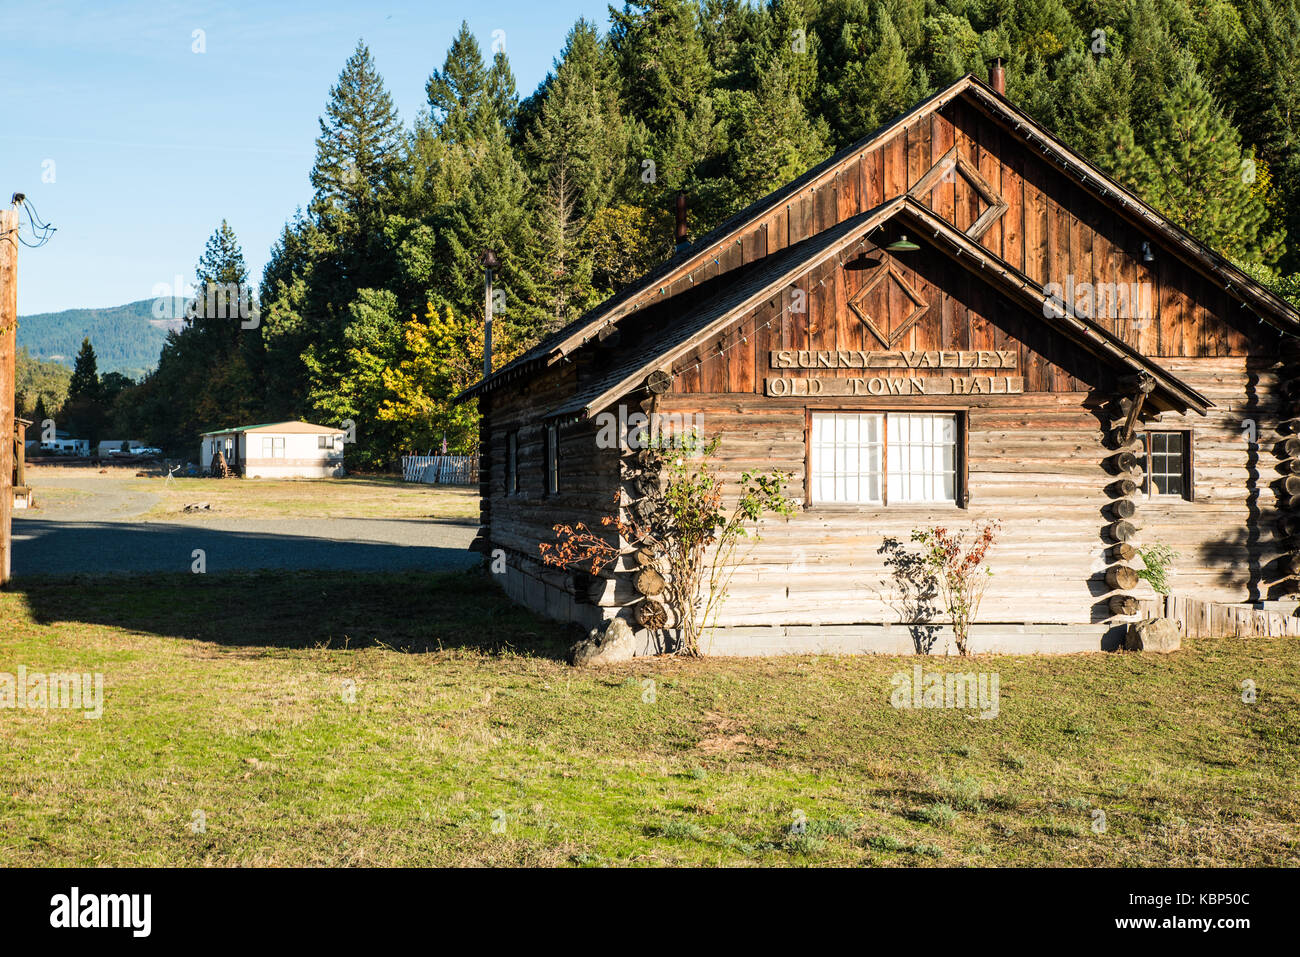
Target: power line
[(41, 231)]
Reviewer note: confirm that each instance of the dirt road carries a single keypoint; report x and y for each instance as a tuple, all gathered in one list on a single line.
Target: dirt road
[(92, 524)]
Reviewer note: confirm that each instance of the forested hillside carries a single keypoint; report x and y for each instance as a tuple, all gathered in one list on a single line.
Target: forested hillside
[(371, 304), (125, 338)]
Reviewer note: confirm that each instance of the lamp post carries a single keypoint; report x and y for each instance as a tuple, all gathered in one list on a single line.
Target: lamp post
[(489, 263)]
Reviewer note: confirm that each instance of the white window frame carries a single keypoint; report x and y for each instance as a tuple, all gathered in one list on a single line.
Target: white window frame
[(868, 447), (274, 445)]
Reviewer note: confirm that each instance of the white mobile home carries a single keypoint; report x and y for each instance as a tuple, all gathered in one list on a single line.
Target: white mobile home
[(64, 443), (277, 450)]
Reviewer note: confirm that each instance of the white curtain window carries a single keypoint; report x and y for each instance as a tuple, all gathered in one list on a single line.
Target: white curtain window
[(847, 457), (866, 458), (272, 448), (922, 457)]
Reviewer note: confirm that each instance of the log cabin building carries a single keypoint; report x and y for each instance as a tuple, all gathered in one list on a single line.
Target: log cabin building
[(957, 319)]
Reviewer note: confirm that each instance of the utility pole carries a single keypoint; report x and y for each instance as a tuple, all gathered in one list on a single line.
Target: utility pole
[(8, 374)]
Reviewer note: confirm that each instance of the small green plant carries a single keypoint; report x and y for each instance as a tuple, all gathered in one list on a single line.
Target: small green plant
[(940, 815), (886, 842), (804, 844), (1156, 561), (964, 794), (681, 831), (833, 827)]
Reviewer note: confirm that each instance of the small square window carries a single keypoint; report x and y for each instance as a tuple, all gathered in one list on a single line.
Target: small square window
[(1167, 463)]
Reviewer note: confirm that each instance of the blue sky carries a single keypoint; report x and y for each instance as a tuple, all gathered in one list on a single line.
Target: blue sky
[(150, 144)]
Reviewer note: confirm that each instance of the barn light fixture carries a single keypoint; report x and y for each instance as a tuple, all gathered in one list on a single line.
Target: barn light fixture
[(903, 245), (1147, 255)]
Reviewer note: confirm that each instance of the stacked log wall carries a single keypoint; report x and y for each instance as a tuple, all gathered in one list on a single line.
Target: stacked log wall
[(518, 523), (1035, 465)]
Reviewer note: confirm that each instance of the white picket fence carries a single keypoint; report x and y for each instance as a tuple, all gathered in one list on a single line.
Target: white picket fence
[(440, 469)]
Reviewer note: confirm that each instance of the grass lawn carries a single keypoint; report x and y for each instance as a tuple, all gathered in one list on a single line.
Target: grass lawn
[(470, 742), (368, 496), (349, 497)]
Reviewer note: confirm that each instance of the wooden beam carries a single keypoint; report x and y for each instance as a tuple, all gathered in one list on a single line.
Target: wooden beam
[(1142, 389)]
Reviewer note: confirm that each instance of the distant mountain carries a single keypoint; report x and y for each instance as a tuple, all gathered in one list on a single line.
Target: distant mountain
[(127, 339)]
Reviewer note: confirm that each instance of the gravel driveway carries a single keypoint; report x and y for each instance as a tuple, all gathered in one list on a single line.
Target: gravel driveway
[(94, 532)]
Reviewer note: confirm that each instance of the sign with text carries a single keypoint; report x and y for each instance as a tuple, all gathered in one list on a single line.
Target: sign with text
[(859, 359), (894, 385)]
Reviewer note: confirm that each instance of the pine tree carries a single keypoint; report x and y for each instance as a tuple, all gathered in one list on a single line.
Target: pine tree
[(223, 294), (85, 374), (495, 211), (775, 140), (458, 93), (84, 412), (358, 150), (576, 150), (1155, 57), (1266, 85), (502, 94), (667, 84), (1196, 173), (872, 77), (1092, 100), (283, 331), (360, 161)]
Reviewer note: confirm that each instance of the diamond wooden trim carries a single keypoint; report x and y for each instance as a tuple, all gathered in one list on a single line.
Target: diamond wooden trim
[(882, 271), (950, 160)]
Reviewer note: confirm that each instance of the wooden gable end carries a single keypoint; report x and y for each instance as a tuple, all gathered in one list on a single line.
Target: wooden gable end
[(1055, 230), (984, 178), (881, 303)]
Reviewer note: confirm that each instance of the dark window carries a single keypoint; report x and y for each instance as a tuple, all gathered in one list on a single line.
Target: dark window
[(1168, 457), (512, 463), (552, 459)]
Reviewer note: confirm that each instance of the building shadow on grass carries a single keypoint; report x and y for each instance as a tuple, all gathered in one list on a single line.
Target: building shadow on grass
[(276, 591)]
